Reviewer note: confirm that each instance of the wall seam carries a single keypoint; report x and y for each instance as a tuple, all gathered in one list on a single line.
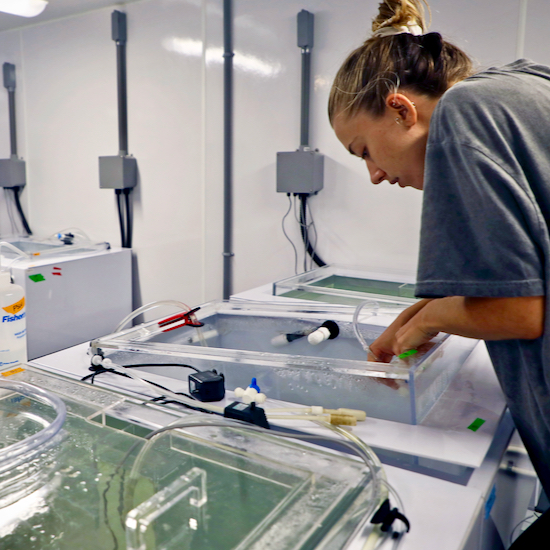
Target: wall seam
[(23, 96), (522, 23), (203, 147)]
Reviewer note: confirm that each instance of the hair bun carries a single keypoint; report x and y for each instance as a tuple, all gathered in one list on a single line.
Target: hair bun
[(399, 13), (433, 43)]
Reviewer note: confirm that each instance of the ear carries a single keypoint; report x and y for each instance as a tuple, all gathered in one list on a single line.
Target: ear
[(401, 107)]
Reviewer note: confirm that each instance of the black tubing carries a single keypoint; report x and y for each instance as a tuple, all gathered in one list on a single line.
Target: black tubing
[(128, 218), (118, 193), (20, 210), (304, 231)]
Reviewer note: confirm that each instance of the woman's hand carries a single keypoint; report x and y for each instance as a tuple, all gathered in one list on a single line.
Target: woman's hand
[(411, 336), (484, 318), (383, 348)]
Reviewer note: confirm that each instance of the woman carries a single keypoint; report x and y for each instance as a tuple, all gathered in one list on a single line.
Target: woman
[(410, 105)]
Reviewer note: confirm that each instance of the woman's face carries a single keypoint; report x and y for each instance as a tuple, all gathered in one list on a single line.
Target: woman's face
[(392, 145)]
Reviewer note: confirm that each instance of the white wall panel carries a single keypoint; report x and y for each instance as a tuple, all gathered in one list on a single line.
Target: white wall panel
[(363, 224), (357, 223), (70, 110), (487, 30), (268, 120), (537, 45), (68, 117), (164, 109), (72, 117), (212, 112)]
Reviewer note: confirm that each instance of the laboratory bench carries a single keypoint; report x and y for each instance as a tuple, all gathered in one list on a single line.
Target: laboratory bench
[(460, 488)]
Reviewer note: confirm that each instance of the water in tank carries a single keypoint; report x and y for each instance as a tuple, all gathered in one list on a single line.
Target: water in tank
[(79, 469)]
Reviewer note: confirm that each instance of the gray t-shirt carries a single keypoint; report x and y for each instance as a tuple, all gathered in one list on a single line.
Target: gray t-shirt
[(485, 222)]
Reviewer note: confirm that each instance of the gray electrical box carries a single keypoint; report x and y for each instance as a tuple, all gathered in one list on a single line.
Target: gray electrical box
[(12, 173), (117, 172), (300, 172)]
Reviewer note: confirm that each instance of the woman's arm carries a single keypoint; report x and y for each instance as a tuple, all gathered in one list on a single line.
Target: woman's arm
[(483, 318)]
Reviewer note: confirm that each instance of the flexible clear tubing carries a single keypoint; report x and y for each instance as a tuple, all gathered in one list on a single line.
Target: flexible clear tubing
[(34, 443), (81, 244), (153, 305), (352, 442), (374, 310), (81, 237), (20, 255), (149, 307)]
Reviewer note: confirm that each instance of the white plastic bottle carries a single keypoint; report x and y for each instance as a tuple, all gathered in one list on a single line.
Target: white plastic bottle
[(13, 326)]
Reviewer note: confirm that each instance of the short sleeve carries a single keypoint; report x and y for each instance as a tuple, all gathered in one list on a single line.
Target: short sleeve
[(481, 230)]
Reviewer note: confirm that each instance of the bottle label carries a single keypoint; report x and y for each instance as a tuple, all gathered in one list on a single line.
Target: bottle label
[(15, 308), (12, 331), (11, 318)]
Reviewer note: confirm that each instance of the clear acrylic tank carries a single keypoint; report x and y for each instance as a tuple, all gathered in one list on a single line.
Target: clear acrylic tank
[(98, 483), (237, 339), (67, 242), (345, 285)]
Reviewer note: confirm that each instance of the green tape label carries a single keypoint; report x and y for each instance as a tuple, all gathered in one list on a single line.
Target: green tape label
[(37, 278), (407, 353), (476, 424)]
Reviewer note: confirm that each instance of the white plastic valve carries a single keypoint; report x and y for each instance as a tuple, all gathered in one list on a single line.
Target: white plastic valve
[(279, 340), (318, 336), (97, 360), (249, 395), (260, 398)]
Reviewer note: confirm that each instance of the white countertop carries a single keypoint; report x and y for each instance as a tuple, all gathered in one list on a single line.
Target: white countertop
[(456, 445)]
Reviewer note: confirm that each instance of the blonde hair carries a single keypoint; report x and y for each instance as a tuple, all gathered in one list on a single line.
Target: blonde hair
[(425, 64)]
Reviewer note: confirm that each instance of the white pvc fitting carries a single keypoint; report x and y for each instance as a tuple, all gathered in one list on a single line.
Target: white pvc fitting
[(279, 340), (260, 398), (318, 336)]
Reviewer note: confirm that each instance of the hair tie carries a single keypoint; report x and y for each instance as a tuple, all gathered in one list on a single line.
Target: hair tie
[(410, 28), (433, 43)]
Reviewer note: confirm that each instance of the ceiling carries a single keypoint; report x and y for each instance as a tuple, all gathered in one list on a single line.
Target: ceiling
[(56, 9)]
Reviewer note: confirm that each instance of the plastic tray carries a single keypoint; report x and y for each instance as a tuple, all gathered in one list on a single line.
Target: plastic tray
[(237, 340)]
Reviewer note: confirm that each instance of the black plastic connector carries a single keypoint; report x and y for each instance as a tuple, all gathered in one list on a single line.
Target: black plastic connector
[(246, 413), (386, 515), (118, 27), (207, 386), (333, 328), (9, 76)]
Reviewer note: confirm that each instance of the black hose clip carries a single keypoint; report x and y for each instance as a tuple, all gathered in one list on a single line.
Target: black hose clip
[(386, 515)]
